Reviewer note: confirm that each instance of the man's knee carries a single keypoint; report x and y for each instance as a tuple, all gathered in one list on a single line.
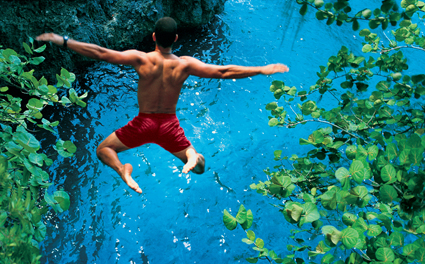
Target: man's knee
[(98, 152)]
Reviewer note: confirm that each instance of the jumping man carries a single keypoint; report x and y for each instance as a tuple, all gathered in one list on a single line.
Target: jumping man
[(161, 76)]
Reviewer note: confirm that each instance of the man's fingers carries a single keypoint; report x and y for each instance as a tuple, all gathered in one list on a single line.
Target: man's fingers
[(42, 37), (45, 37)]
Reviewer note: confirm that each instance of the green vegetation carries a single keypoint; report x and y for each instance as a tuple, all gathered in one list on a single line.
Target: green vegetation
[(23, 180), (359, 192)]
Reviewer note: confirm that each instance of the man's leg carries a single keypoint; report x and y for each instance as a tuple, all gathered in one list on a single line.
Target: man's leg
[(107, 153), (193, 160)]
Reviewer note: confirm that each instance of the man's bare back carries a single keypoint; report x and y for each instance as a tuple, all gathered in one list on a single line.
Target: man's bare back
[(161, 77)]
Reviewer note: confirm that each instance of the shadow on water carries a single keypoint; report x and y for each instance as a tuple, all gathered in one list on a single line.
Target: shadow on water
[(289, 20)]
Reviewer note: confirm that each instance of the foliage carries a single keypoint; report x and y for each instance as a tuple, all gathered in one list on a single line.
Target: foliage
[(361, 185), (23, 179)]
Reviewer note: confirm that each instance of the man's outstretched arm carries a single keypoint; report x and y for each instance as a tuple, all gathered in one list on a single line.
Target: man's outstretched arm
[(129, 57), (200, 69)]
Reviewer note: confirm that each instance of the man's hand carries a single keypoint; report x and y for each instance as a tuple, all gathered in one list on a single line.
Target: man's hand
[(54, 38), (274, 68)]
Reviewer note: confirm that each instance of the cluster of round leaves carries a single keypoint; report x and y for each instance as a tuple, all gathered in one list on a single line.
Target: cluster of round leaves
[(365, 174), (23, 179), (339, 12)]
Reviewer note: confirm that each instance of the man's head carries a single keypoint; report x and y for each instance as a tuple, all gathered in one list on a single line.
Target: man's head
[(165, 32)]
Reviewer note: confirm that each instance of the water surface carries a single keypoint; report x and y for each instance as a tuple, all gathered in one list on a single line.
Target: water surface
[(178, 218)]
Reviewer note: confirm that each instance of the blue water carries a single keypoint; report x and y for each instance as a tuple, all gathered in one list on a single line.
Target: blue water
[(178, 218)]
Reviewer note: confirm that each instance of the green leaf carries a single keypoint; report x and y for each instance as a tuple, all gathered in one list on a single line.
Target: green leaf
[(229, 221), (52, 202), (247, 241), (252, 260), (342, 174), (3, 165), (391, 151), (367, 48), (385, 254), (389, 174), (318, 3), (36, 158), (420, 255), (273, 122), (349, 219), (328, 258), (317, 137), (383, 86), (364, 32), (3, 218), (241, 215), (357, 171), (296, 211), (310, 213), (251, 235), (40, 231), (396, 239), (356, 25), (416, 156), (360, 225), (374, 230), (329, 199), (69, 146), (360, 191), (303, 9), (361, 153), (328, 229), (27, 48), (349, 237), (292, 91), (40, 49), (34, 103), (259, 243), (63, 199), (271, 106), (372, 152), (335, 237), (249, 220), (387, 193), (409, 250), (276, 85), (36, 60), (351, 152), (367, 13), (27, 141)]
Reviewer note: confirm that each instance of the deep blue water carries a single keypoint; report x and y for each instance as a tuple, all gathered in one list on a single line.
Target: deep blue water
[(178, 218)]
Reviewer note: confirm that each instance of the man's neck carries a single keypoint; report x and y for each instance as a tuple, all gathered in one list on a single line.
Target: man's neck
[(163, 50)]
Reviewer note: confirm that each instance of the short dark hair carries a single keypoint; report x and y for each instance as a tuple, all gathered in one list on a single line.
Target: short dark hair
[(165, 31)]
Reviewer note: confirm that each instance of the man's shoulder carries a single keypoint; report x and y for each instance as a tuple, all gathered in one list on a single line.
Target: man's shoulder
[(136, 54), (188, 58)]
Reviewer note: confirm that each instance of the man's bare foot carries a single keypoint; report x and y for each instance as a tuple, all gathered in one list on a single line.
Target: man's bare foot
[(125, 173), (195, 163)]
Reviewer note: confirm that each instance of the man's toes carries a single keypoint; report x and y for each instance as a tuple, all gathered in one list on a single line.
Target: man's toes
[(187, 167)]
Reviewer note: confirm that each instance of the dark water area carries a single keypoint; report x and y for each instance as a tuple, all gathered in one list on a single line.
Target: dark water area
[(178, 218)]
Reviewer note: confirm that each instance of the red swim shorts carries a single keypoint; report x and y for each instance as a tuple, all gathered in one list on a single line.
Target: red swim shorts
[(161, 129)]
